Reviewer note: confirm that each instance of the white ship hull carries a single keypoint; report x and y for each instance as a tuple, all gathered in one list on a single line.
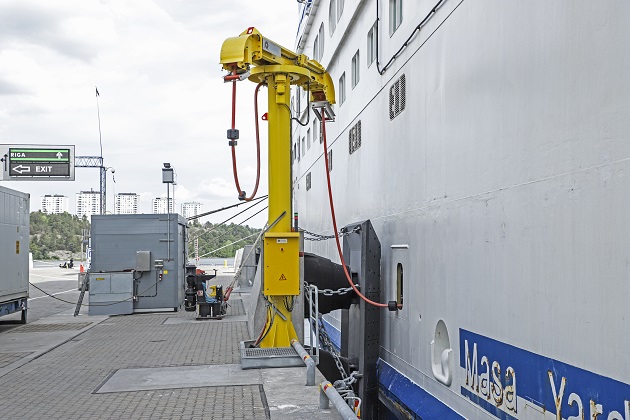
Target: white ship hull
[(503, 189)]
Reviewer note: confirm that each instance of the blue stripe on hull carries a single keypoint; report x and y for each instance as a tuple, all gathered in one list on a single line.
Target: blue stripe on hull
[(411, 396), (333, 333), (486, 405)]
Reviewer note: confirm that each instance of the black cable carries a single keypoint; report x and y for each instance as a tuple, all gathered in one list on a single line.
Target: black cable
[(89, 304), (223, 208), (406, 43), (158, 279), (226, 220), (232, 231), (308, 108)]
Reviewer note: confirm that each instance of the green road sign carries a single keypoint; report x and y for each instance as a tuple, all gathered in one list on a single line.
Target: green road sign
[(39, 155), (37, 162)]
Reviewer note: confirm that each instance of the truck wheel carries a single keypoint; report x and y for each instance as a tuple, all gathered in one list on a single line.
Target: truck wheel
[(23, 319)]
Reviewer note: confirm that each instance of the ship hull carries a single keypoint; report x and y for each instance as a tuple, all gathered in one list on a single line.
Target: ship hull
[(501, 188)]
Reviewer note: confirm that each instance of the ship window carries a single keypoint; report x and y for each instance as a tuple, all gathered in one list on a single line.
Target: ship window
[(354, 137), (330, 160), (321, 42), (315, 134), (308, 139), (303, 144), (397, 97), (371, 45), (342, 88), (308, 181), (395, 15), (339, 9), (298, 150), (298, 103), (316, 48), (332, 17), (355, 69), (399, 285)]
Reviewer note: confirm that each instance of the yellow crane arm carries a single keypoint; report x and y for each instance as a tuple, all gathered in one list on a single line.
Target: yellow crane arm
[(253, 53)]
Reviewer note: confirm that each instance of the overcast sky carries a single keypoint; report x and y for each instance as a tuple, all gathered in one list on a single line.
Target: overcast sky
[(162, 99)]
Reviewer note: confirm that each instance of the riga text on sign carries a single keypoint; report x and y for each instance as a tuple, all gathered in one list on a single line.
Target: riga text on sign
[(38, 162)]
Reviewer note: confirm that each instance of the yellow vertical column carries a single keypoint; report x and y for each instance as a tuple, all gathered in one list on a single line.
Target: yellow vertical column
[(279, 117), (280, 257)]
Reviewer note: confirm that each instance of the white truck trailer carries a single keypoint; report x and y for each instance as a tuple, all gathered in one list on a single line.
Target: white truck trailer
[(14, 250)]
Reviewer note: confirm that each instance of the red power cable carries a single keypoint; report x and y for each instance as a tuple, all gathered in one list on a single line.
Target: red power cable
[(241, 193), (334, 220)]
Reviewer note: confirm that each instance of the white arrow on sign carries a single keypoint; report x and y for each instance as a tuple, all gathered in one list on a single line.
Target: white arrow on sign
[(22, 169), (59, 155)]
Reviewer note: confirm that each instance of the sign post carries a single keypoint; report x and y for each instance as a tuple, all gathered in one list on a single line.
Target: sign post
[(37, 162)]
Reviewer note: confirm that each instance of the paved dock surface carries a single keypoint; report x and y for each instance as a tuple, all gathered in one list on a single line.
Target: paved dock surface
[(143, 366)]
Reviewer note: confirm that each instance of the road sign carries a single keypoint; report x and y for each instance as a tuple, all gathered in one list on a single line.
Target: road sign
[(37, 162)]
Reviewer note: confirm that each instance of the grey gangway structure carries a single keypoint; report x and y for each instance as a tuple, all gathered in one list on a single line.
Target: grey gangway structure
[(95, 162)]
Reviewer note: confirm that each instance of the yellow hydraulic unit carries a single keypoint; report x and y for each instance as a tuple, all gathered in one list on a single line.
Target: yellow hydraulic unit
[(252, 56)]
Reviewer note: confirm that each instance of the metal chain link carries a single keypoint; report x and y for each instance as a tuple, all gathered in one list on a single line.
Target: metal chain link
[(327, 343), (325, 339), (331, 292), (319, 237), (343, 385), (353, 378)]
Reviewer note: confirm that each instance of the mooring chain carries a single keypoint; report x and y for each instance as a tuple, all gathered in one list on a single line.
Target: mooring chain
[(353, 378), (319, 237), (326, 342), (331, 292), (325, 338)]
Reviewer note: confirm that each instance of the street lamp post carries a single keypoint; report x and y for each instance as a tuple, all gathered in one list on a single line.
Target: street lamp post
[(104, 170), (168, 177)]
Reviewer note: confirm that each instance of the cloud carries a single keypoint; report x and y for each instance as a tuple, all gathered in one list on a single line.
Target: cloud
[(217, 188), (9, 88), (32, 23), (156, 65)]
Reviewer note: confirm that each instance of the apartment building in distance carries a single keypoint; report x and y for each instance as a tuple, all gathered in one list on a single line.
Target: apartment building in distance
[(126, 203), (88, 203), (159, 205), (54, 204), (191, 209)]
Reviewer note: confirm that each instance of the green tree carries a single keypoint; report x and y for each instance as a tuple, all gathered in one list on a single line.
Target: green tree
[(56, 232)]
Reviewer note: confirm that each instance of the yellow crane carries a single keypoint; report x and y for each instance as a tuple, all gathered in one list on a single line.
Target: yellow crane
[(252, 56)]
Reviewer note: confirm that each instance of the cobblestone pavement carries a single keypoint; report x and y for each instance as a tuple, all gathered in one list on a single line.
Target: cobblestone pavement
[(59, 384)]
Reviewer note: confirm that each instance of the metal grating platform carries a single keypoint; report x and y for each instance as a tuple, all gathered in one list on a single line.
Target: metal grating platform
[(72, 326), (273, 352), (257, 358)]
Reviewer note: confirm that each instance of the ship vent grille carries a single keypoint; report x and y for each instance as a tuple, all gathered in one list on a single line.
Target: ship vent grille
[(397, 97), (308, 181), (354, 137)]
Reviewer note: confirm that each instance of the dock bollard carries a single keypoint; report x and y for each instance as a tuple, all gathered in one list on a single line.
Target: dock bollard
[(324, 402), (308, 361), (344, 410)]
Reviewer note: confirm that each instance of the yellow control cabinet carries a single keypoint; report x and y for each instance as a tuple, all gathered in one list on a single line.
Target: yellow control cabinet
[(281, 276)]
